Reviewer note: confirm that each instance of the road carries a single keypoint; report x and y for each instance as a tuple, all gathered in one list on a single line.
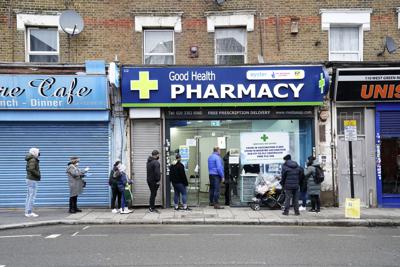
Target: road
[(191, 245)]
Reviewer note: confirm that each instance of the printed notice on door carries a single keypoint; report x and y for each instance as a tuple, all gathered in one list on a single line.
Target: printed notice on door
[(263, 147)]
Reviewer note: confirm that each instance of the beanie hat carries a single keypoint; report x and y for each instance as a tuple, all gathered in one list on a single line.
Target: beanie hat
[(155, 153)]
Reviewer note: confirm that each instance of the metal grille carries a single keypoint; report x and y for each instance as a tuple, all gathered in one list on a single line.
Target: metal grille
[(350, 114), (57, 143), (390, 124)]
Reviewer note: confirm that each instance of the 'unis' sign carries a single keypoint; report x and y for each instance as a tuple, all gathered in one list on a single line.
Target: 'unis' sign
[(223, 86)]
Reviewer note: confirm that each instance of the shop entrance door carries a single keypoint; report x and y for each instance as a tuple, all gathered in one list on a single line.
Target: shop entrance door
[(359, 158)]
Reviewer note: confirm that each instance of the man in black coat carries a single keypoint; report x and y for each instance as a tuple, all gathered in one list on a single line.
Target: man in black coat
[(153, 177), (292, 174)]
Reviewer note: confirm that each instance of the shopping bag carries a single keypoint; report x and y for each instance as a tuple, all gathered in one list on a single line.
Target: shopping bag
[(352, 208)]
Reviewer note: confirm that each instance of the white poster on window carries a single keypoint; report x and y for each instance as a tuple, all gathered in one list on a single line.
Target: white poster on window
[(263, 147)]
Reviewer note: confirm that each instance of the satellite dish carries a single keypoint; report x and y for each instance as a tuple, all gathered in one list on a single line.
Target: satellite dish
[(71, 22), (390, 45)]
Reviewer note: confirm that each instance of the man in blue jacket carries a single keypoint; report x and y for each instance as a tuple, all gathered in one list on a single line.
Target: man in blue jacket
[(216, 175), (292, 174)]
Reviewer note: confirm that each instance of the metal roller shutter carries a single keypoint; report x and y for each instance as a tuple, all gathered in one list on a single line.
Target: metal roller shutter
[(390, 123), (146, 135), (57, 143)]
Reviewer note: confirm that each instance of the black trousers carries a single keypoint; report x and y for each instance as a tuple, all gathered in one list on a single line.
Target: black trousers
[(292, 194), (153, 193), (315, 202), (227, 193), (73, 203), (116, 194)]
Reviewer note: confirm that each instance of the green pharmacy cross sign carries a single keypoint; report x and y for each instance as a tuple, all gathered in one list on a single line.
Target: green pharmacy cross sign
[(264, 137)]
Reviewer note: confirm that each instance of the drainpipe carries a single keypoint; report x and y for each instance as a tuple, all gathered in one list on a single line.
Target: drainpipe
[(334, 193)]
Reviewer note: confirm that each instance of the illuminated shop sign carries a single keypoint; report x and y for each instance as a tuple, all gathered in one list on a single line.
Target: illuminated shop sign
[(223, 86)]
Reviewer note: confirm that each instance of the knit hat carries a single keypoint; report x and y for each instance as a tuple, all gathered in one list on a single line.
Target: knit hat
[(155, 153), (287, 157)]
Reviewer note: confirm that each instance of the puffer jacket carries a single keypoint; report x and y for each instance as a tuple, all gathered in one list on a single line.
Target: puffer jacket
[(291, 175), (312, 187), (32, 167), (153, 171)]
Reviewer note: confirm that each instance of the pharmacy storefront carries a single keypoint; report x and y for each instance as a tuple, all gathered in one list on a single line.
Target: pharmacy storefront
[(63, 116), (256, 115)]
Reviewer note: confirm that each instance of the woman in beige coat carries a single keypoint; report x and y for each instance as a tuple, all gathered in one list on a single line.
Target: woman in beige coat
[(76, 183)]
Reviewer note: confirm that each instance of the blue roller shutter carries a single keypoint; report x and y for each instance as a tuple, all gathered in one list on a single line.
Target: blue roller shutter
[(57, 143), (390, 124)]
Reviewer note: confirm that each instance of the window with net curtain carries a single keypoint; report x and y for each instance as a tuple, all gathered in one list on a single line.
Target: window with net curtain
[(344, 44), (159, 47), (43, 44), (230, 46)]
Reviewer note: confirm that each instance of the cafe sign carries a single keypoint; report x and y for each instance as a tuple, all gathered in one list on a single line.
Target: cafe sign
[(48, 92)]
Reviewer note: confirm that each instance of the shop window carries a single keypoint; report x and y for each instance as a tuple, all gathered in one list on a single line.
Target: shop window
[(230, 46), (159, 47), (345, 44), (42, 45), (350, 114), (390, 158)]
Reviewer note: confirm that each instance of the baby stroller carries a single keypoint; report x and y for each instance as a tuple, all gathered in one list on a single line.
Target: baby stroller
[(269, 194)]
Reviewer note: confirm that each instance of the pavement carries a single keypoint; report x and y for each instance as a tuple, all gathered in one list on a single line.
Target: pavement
[(14, 218)]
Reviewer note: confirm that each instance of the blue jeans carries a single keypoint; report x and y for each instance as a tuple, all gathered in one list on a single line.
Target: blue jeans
[(179, 189), (215, 181), (31, 195), (303, 197)]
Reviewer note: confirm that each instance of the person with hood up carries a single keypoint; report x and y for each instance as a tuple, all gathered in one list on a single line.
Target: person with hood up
[(153, 178), (313, 189), (291, 178), (32, 178), (113, 182), (122, 181), (76, 183), (179, 181)]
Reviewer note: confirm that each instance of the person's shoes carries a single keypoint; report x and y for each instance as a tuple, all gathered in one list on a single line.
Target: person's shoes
[(115, 211), (177, 209), (187, 209), (297, 213), (285, 213), (317, 210), (72, 211), (301, 208), (153, 210), (312, 210), (126, 211), (28, 215), (218, 207), (78, 210), (210, 204), (34, 215)]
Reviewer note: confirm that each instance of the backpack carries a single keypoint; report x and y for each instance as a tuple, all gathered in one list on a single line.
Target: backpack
[(319, 175)]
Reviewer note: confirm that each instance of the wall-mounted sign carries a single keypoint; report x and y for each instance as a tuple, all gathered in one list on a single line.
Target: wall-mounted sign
[(350, 130), (53, 92), (223, 86), (263, 147), (368, 85)]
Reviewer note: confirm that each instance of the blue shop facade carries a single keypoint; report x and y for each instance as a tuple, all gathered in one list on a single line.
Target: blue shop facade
[(64, 116), (255, 114)]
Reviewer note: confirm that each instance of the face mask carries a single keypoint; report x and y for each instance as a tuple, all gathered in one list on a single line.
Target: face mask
[(39, 154), (77, 164)]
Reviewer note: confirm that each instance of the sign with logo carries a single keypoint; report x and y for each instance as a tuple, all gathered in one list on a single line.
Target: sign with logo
[(263, 147), (368, 85), (53, 92), (350, 130), (223, 86)]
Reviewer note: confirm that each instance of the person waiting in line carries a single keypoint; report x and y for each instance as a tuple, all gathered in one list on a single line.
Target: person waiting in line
[(216, 176), (179, 182), (291, 174), (32, 178), (153, 178), (227, 179), (303, 191), (313, 189), (76, 183), (113, 182), (122, 182)]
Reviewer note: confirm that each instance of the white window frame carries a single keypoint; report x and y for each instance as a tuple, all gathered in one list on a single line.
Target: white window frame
[(28, 51), (347, 18), (229, 54), (158, 54), (360, 41), (398, 17)]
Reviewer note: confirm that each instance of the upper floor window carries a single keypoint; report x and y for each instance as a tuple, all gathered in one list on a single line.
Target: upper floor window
[(230, 46), (159, 47), (345, 44), (42, 45)]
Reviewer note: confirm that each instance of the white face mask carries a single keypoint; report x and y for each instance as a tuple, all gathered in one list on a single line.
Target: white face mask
[(77, 164)]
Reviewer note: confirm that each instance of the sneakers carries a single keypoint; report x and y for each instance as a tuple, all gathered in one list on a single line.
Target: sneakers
[(177, 209), (115, 211), (153, 210), (187, 209), (285, 213), (28, 215), (126, 211), (301, 208), (218, 207)]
